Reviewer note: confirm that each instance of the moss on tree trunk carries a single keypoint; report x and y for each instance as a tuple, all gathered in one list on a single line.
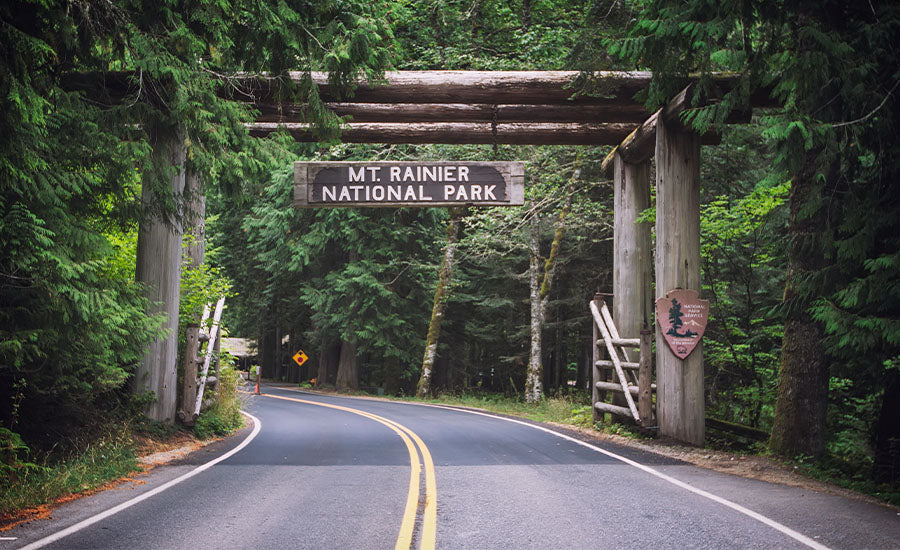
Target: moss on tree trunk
[(799, 426), (440, 299)]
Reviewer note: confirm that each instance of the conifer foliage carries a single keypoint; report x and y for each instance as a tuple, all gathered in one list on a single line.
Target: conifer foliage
[(833, 69), (83, 85)]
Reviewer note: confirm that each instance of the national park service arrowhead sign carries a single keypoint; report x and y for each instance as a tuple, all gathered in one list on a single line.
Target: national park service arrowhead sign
[(682, 318)]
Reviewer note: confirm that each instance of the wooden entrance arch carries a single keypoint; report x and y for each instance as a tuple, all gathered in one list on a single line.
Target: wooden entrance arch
[(538, 108), (530, 108)]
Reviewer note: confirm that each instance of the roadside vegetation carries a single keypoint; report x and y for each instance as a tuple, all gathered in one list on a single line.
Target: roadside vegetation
[(104, 458), (105, 453), (800, 217)]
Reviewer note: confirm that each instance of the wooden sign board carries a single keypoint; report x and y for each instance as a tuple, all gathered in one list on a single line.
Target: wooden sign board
[(682, 318), (393, 184)]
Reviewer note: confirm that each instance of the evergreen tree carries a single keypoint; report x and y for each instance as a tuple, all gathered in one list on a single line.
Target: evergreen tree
[(83, 88), (832, 67)]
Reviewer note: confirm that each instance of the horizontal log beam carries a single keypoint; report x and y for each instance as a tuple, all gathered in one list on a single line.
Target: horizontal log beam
[(458, 112), (641, 143), (490, 87), (614, 409), (462, 133), (622, 342), (629, 365), (738, 429), (616, 387)]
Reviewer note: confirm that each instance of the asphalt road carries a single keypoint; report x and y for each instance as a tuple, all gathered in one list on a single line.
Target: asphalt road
[(327, 472)]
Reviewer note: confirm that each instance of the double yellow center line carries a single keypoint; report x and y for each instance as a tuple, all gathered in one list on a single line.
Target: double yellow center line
[(429, 516)]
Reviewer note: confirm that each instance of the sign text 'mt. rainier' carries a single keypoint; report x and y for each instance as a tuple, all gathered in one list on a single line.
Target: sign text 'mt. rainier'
[(408, 184)]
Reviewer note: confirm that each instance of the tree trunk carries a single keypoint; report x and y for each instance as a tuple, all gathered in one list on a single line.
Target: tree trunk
[(194, 255), (440, 301), (159, 268), (887, 433), (541, 284), (584, 364), (525, 15), (348, 368), (294, 371), (799, 426), (534, 375), (267, 354), (322, 370), (279, 354)]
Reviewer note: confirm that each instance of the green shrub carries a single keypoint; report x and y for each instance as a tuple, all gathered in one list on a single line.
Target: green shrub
[(102, 460), (224, 416)]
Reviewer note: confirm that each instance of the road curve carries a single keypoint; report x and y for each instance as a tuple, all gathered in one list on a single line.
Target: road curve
[(332, 472)]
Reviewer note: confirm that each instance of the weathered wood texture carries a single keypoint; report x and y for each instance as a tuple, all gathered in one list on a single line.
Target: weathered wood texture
[(632, 253), (159, 269), (606, 363), (680, 405), (461, 132), (632, 113), (614, 357), (738, 429), (211, 348), (614, 387), (640, 144), (189, 393), (597, 374), (645, 385), (636, 148), (307, 177), (615, 410), (486, 87), (632, 256), (525, 87)]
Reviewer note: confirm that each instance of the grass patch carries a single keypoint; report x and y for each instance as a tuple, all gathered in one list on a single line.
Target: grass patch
[(567, 409), (848, 475), (224, 416), (110, 457)]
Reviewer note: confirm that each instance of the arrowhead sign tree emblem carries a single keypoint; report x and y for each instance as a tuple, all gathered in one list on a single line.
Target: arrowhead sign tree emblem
[(682, 318)]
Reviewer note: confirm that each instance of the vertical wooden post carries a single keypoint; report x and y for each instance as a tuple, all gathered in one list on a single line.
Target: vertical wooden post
[(631, 252), (217, 353), (631, 248), (595, 370), (189, 394), (680, 406), (645, 381), (159, 268)]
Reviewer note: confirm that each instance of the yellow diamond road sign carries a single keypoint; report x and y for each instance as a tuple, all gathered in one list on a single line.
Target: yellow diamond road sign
[(300, 358)]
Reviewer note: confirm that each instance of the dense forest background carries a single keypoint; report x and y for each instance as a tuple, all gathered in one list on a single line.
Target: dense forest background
[(801, 254)]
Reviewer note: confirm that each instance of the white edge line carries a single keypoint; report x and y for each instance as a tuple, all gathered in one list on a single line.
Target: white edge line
[(799, 537), (40, 543), (725, 502)]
